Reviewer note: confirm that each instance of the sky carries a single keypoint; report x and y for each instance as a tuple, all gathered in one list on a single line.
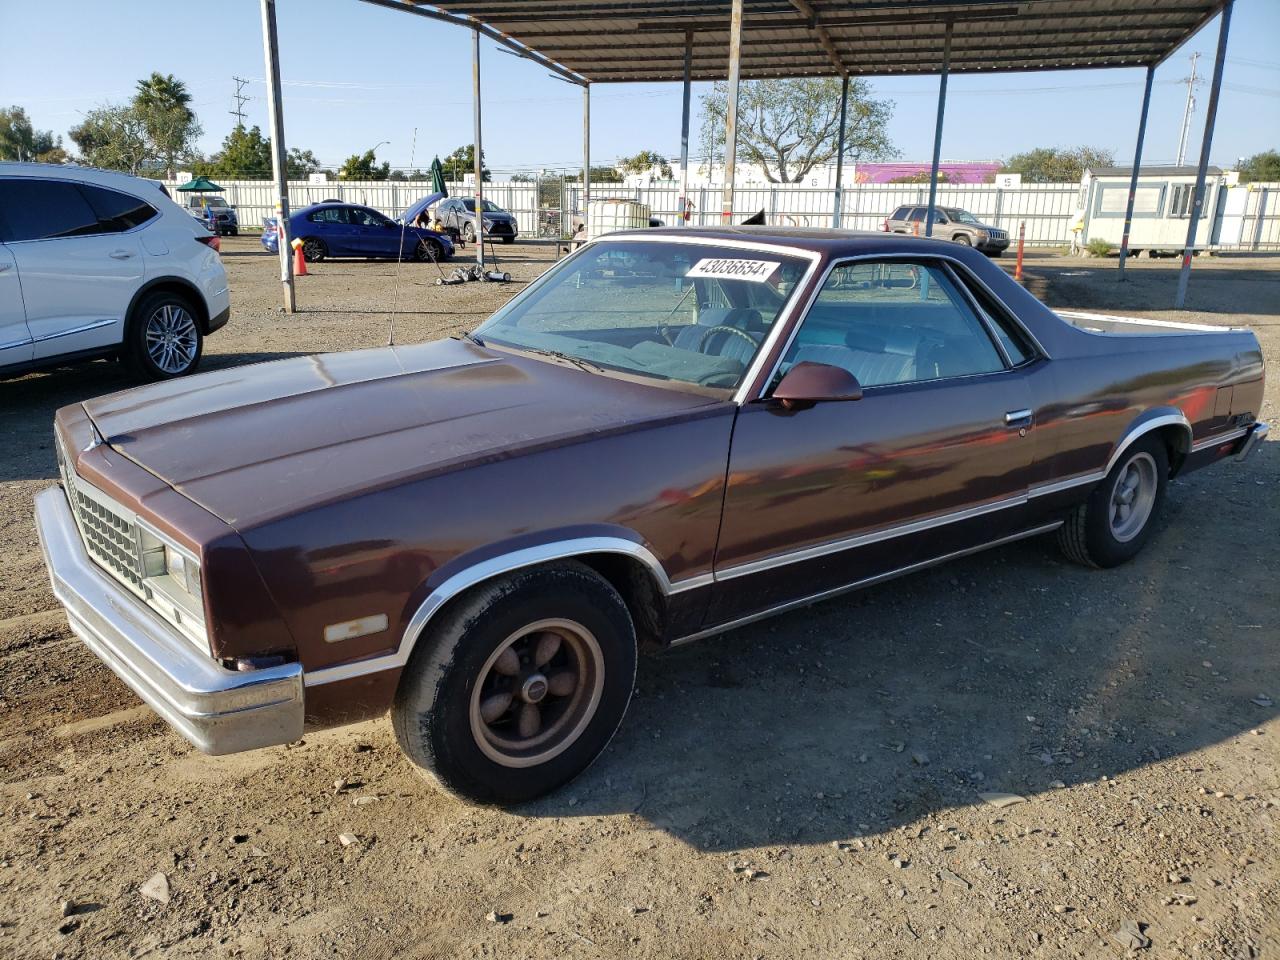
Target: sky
[(356, 75)]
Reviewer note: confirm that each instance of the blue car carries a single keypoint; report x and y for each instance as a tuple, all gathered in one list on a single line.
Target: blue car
[(350, 230)]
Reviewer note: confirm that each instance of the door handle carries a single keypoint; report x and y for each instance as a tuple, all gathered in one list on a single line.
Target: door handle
[(1018, 418), (120, 254)]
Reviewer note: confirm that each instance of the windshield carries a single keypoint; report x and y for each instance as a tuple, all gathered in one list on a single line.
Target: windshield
[(694, 313), (964, 216), (487, 208)]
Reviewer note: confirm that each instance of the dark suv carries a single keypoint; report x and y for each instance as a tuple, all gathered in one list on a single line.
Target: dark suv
[(950, 223)]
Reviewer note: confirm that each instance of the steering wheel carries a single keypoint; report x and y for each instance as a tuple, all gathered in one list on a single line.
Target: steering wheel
[(724, 329)]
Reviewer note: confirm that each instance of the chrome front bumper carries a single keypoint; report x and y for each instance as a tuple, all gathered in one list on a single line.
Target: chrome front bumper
[(219, 711), (1257, 433)]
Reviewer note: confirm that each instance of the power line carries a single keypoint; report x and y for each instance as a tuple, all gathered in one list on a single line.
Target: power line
[(241, 98), (1192, 82)]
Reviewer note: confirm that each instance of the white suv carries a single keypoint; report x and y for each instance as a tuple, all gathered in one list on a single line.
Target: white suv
[(98, 264)]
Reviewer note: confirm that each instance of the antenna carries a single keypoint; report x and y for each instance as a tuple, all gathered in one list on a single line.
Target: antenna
[(241, 98)]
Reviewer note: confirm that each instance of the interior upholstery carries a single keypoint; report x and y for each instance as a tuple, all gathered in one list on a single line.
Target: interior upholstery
[(723, 344)]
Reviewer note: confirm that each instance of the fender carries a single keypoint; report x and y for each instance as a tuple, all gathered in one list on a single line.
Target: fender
[(467, 574), (1148, 420), (171, 280)]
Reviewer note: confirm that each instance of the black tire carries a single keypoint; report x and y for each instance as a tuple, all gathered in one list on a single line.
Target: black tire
[(235, 231), (184, 339), (1089, 536), (314, 249), (427, 251), (508, 239), (963, 240), (435, 716), (469, 232)]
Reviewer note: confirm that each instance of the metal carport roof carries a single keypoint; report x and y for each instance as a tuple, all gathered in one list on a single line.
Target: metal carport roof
[(606, 41)]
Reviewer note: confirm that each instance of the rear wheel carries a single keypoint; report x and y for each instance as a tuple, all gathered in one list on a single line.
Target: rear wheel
[(520, 686), (1114, 524), (314, 250), (163, 338)]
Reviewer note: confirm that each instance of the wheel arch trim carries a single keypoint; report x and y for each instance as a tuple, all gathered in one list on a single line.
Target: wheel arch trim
[(1155, 419), (481, 571), (169, 280)]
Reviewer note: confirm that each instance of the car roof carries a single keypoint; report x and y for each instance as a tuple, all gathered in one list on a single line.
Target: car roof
[(71, 171), (815, 239)]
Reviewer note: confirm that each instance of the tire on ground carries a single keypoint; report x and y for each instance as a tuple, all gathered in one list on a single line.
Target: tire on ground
[(432, 711), (137, 358), (1087, 536)]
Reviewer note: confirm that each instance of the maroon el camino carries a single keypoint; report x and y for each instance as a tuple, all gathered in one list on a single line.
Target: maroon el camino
[(669, 434)]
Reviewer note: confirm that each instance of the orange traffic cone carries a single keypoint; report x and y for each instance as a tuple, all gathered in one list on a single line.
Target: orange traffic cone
[(299, 261)]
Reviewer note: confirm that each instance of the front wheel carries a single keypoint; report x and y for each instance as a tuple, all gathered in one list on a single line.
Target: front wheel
[(163, 338), (508, 239), (1114, 524), (469, 232), (520, 686), (963, 239), (428, 250)]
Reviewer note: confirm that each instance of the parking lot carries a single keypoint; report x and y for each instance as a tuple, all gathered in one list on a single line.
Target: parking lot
[(810, 786)]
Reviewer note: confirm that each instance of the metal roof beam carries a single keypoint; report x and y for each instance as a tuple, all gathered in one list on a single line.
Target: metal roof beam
[(806, 10), (497, 36), (659, 51)]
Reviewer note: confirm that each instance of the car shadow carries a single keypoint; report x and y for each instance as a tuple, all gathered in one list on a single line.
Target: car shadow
[(29, 402), (1011, 671)]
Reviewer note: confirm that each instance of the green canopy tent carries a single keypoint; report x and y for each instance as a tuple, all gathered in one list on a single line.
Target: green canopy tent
[(199, 185)]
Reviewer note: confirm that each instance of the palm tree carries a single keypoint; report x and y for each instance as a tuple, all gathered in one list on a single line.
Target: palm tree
[(164, 92)]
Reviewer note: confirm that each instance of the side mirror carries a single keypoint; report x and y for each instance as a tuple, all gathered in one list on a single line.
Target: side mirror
[(807, 382)]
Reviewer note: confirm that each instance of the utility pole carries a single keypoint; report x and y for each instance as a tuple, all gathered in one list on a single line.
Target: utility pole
[(1192, 82), (241, 98)]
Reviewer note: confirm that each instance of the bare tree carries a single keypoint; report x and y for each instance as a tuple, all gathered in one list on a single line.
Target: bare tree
[(788, 127)]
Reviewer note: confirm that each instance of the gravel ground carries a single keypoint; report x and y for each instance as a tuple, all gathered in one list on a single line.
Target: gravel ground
[(811, 786)]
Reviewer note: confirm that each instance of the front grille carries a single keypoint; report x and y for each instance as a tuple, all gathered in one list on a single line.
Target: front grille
[(110, 535), (998, 234)]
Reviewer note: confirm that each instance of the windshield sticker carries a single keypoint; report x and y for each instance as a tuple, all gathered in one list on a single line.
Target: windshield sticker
[(754, 271)]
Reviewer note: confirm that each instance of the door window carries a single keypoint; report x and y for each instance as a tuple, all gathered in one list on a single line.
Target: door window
[(329, 215), (368, 218), (893, 322), (45, 210), (117, 211)]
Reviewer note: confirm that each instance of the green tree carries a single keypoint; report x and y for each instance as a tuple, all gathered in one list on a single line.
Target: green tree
[(644, 161), (163, 105), (788, 127), (1058, 164), (363, 166), (463, 161), (113, 137), (300, 164), (245, 155), (1262, 167), (19, 140)]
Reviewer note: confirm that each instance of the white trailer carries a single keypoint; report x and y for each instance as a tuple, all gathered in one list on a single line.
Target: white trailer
[(1162, 205)]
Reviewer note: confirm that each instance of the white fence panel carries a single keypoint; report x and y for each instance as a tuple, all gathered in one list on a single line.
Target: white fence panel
[(1047, 209)]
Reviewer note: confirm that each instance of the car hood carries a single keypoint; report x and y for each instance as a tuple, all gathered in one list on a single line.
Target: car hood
[(254, 443)]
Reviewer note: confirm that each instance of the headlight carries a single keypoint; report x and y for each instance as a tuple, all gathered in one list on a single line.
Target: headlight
[(172, 582)]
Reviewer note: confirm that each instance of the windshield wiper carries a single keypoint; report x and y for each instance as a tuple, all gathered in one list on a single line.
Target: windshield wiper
[(581, 364), (473, 338)]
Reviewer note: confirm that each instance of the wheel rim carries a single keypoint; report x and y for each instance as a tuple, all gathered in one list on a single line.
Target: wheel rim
[(1133, 496), (312, 250), (172, 338), (537, 692)]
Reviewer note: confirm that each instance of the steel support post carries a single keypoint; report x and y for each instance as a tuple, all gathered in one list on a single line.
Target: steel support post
[(279, 169), (1206, 144), (937, 130), (1137, 164), (844, 111), (477, 147), (683, 206), (586, 152), (731, 111)]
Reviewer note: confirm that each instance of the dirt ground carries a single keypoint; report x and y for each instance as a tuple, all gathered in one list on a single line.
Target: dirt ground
[(808, 787)]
